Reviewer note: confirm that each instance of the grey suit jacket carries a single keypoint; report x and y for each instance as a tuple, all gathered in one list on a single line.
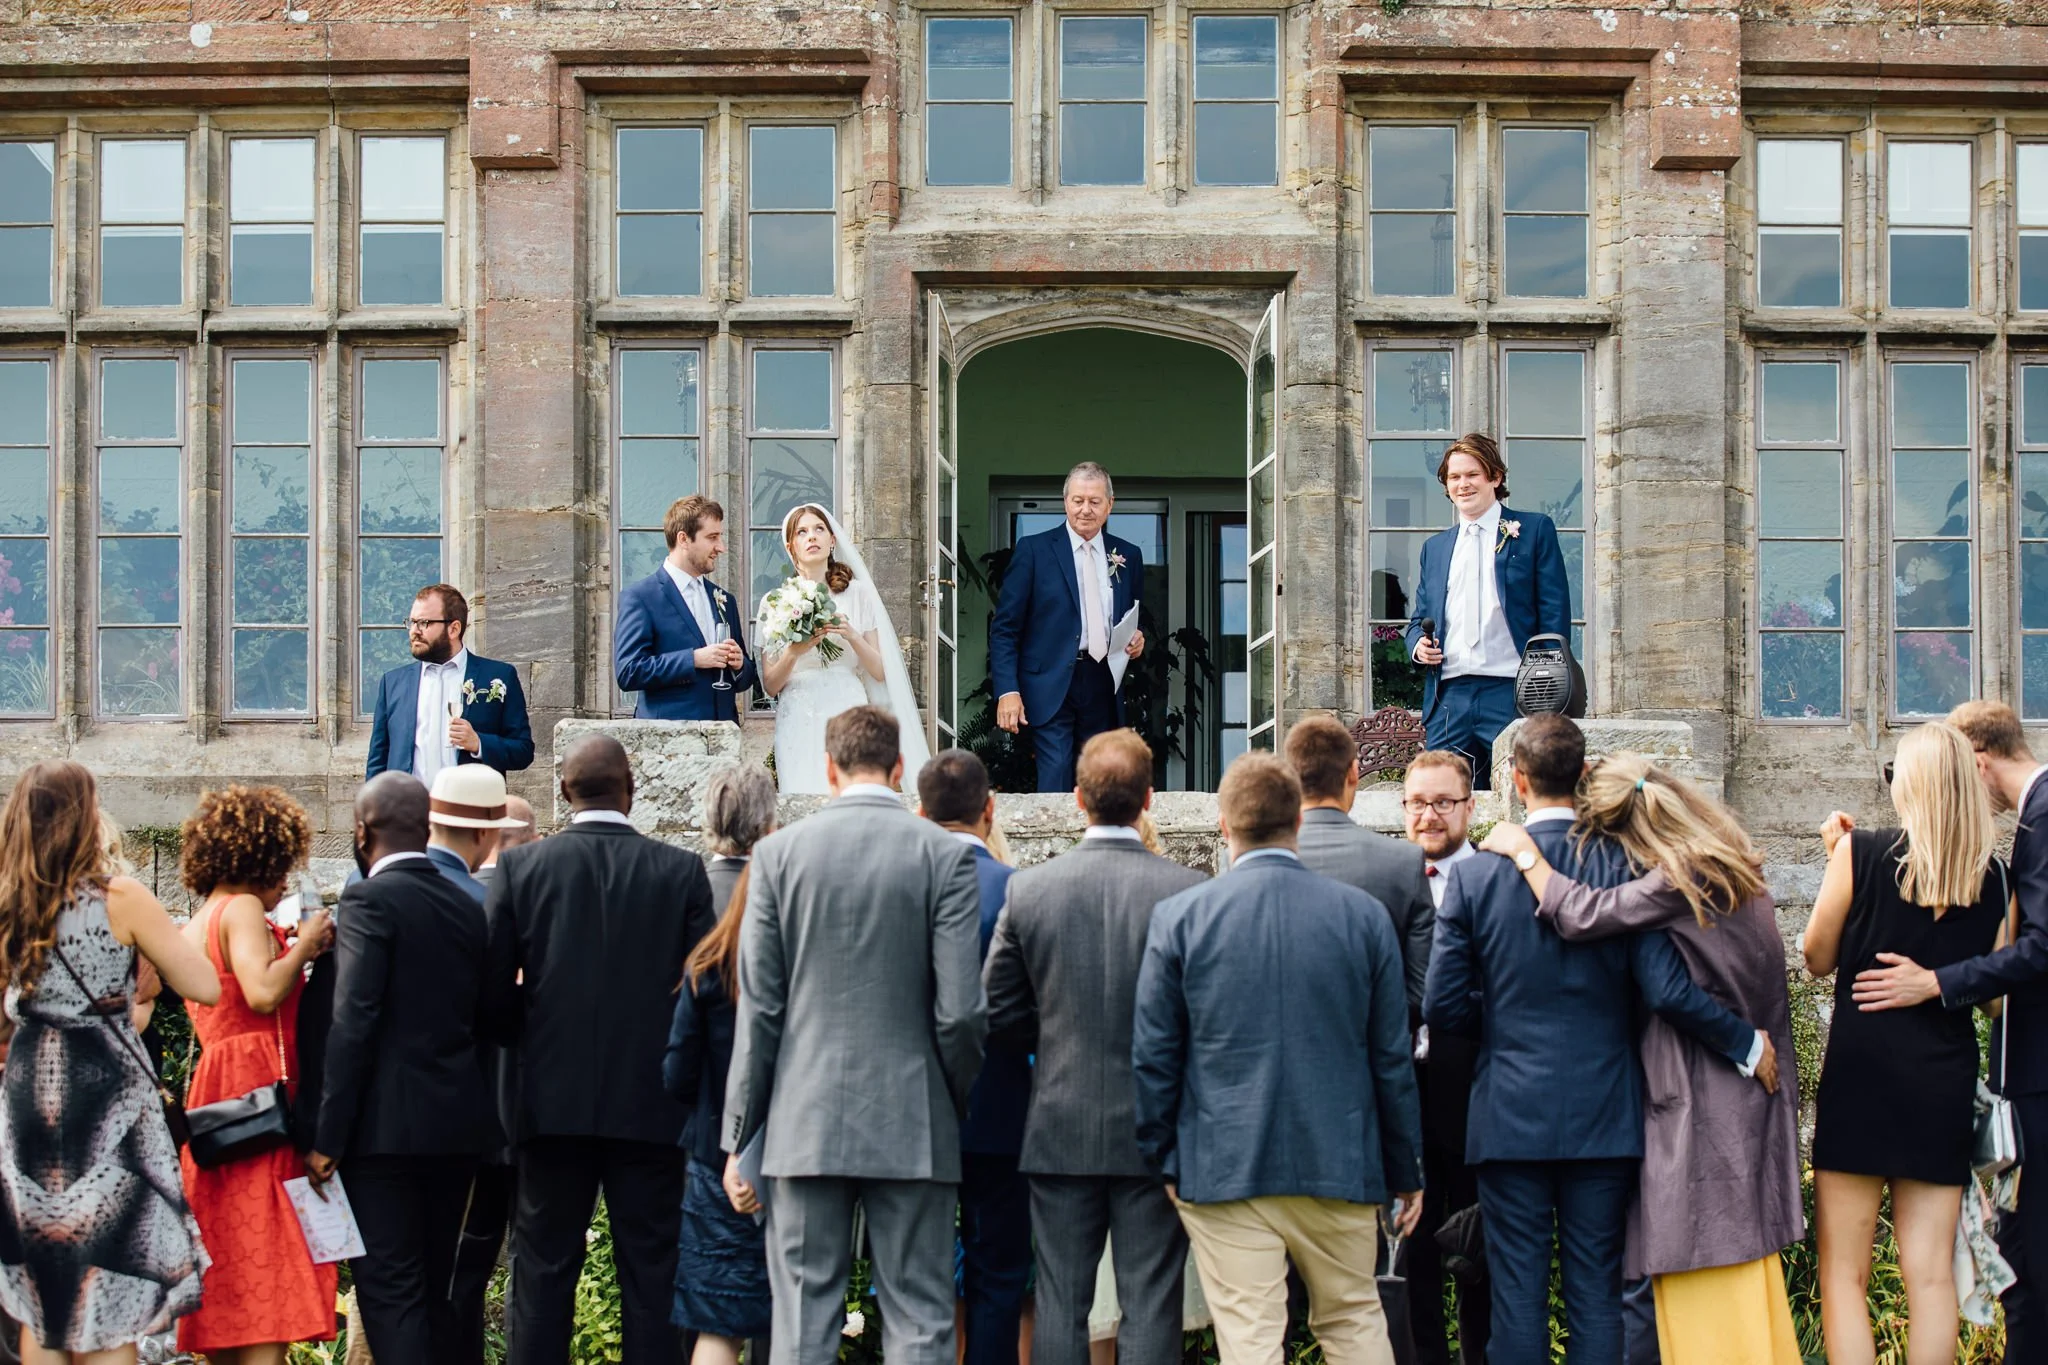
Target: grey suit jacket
[(1062, 977), (1388, 870), (860, 1017), (723, 872)]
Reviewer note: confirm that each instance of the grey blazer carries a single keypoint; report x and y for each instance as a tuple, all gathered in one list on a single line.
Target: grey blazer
[(1388, 870), (723, 872), (860, 1018), (1062, 978)]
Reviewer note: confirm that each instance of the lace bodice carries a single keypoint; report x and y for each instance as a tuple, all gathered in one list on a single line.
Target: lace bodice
[(863, 611)]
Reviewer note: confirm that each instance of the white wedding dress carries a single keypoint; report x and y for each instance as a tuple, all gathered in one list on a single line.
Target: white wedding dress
[(817, 690)]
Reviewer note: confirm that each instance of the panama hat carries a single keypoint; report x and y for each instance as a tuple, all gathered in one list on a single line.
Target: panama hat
[(470, 796)]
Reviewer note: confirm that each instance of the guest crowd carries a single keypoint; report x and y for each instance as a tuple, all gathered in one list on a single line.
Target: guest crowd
[(1316, 1083)]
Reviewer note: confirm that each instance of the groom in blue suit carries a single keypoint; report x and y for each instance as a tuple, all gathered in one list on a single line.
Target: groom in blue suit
[(1049, 645), (662, 646), (470, 708), (1491, 581)]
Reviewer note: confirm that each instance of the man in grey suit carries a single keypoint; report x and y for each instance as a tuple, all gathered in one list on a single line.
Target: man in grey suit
[(858, 1040), (1061, 979), (1325, 758)]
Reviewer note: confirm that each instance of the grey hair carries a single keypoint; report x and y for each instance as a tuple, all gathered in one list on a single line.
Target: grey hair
[(739, 809), (1089, 472)]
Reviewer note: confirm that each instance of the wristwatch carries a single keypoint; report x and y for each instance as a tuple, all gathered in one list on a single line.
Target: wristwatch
[(1527, 859)]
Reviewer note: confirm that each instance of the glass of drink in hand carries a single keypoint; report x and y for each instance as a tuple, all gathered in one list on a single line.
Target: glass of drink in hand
[(720, 634)]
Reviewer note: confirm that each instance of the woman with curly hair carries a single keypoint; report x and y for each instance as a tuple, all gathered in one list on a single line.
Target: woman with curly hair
[(97, 1246), (264, 1292)]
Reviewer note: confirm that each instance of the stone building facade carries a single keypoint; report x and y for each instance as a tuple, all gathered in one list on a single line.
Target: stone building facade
[(301, 307)]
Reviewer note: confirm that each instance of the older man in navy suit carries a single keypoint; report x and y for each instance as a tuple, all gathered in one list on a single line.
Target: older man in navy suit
[(665, 645), (1556, 1124), (1049, 644), (1489, 583), (448, 706)]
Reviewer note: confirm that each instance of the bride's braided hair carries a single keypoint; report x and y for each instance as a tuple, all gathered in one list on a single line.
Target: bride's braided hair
[(837, 576)]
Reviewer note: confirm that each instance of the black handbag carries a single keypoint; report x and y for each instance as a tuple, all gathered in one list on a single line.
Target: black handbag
[(249, 1124), (174, 1113)]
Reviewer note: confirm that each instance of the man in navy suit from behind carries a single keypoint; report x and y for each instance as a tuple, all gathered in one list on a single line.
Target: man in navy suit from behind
[(1491, 581), (995, 1198), (1556, 1124), (662, 645), (448, 706), (1048, 646), (2019, 972)]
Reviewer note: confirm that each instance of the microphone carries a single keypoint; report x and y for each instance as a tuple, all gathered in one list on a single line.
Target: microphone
[(1429, 628)]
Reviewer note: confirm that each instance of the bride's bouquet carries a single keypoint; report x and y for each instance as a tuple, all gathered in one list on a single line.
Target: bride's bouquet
[(796, 611)]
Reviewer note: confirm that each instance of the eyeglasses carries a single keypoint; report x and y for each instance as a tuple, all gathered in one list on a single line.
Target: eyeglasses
[(418, 624), (1442, 805)]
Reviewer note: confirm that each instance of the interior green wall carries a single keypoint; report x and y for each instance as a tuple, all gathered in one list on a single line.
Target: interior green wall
[(1142, 406)]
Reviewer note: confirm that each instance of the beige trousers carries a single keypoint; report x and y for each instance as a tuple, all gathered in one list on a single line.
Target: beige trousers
[(1242, 1249)]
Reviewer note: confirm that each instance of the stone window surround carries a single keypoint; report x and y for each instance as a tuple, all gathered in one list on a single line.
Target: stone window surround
[(335, 129), (1854, 599), (1865, 134), (1169, 96), (220, 604), (725, 121)]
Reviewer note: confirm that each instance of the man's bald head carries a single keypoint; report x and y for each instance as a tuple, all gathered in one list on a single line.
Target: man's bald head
[(391, 815), (597, 775)]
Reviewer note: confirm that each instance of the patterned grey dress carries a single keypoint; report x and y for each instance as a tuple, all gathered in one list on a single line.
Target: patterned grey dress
[(97, 1246)]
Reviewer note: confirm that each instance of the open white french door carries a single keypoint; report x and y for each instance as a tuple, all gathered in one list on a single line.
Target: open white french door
[(1262, 538), (942, 521)]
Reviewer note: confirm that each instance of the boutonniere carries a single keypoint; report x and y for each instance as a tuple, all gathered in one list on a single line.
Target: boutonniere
[(718, 596), (495, 692), (1116, 564), (1509, 530)]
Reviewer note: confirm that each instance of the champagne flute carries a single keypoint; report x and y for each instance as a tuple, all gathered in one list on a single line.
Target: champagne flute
[(720, 634)]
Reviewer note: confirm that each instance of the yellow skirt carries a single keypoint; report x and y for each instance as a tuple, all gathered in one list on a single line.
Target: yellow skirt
[(1728, 1315)]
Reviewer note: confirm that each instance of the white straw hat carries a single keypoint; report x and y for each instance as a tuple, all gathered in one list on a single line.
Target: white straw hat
[(470, 796)]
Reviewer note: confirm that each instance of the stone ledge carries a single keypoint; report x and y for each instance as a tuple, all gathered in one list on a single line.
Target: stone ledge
[(1667, 743)]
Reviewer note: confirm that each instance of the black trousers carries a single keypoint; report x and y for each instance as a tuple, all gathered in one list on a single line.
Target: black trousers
[(409, 1209), (2023, 1239), (1089, 709), (995, 1253), (559, 1181), (1445, 1083), (476, 1259)]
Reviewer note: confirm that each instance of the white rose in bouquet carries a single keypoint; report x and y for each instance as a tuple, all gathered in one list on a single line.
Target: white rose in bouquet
[(796, 611)]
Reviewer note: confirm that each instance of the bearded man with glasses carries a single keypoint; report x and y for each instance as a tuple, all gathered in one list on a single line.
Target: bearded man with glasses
[(448, 706)]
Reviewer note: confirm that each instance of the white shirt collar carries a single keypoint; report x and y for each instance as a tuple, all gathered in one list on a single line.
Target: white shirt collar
[(1457, 855), (1241, 859), (1074, 537), (390, 858), (971, 840), (867, 789), (457, 663), (1121, 833), (1549, 815), (1489, 520), (600, 817)]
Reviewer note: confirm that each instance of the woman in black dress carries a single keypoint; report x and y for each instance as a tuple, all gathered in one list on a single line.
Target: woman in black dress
[(1897, 1087)]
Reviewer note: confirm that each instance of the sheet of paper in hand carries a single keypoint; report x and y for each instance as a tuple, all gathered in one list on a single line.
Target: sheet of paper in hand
[(1120, 640), (326, 1219)]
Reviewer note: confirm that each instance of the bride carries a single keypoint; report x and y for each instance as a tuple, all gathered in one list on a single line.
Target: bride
[(808, 691)]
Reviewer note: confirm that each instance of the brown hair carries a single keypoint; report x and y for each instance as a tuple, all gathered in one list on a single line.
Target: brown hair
[(50, 850), (1664, 822), (1322, 753), (1551, 752), (687, 515), (1480, 447), (837, 576), (863, 739), (243, 836), (1260, 799), (1113, 775), (952, 788), (1992, 727), (454, 605), (719, 950), (1444, 758)]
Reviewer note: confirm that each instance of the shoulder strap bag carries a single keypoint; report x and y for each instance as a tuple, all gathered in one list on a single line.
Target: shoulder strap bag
[(126, 1041), (249, 1124), (1995, 1146)]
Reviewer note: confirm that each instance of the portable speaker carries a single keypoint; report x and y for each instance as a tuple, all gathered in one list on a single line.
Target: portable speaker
[(1549, 680)]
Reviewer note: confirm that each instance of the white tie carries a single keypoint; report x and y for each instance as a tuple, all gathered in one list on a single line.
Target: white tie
[(700, 607), (1091, 606), (437, 726), (1469, 610)]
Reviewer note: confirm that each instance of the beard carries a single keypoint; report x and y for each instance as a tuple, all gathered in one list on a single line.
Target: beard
[(434, 651)]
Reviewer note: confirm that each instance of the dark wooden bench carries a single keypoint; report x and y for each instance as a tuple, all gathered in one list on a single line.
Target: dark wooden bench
[(1387, 740)]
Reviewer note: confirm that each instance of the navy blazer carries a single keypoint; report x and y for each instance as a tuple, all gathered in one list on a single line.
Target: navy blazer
[(501, 728), (697, 1061), (1036, 631), (654, 647), (1558, 1077), (1269, 1047), (1528, 572), (1001, 1094), (2018, 971)]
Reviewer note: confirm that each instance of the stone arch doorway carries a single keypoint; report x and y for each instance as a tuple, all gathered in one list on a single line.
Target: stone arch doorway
[(1159, 399)]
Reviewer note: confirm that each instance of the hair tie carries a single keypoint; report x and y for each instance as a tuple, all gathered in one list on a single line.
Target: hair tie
[(1639, 781)]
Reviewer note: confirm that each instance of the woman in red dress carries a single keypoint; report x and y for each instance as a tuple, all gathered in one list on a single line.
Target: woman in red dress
[(263, 1291)]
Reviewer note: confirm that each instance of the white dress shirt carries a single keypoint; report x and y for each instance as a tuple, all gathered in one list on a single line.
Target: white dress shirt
[(598, 816), (1099, 560), (1241, 859), (1490, 652), (390, 858), (971, 840), (1439, 870), (867, 789), (696, 596), (1120, 833), (440, 685)]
